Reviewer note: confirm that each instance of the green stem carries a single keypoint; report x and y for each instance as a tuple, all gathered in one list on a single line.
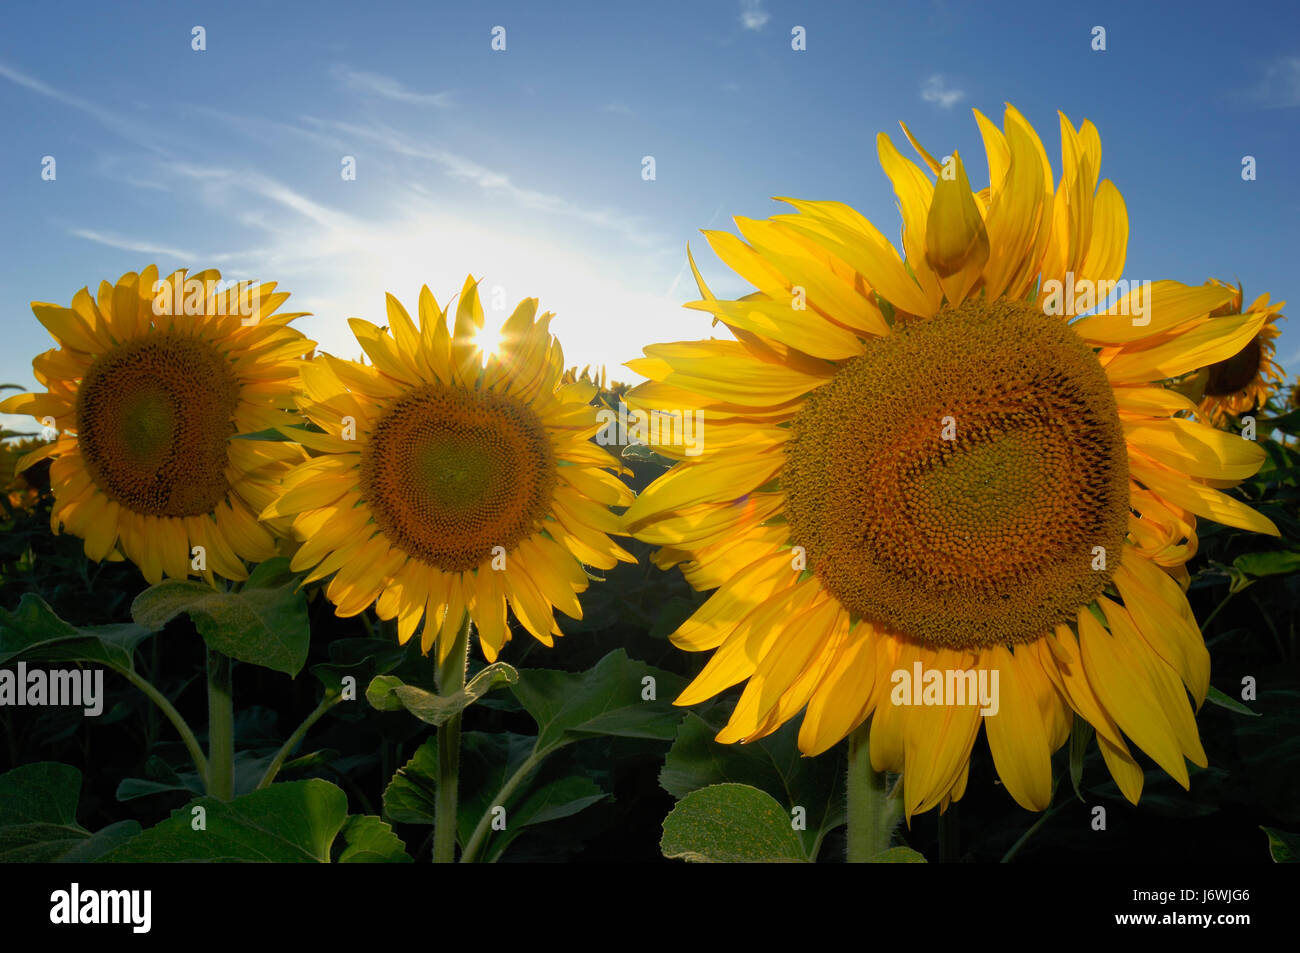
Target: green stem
[(872, 813), (450, 679), (1205, 626), (221, 728), (1010, 855), (169, 711), (1264, 614), (476, 840), (326, 703)]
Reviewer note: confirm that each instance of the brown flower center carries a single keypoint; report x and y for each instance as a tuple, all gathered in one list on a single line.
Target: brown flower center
[(450, 473), (965, 482), (154, 415), (1237, 372)]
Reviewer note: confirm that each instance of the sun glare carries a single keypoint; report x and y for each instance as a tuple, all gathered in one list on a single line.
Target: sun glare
[(488, 338)]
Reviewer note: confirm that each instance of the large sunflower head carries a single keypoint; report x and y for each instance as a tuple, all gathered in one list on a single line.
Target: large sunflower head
[(150, 387), (952, 472), (1244, 381), (448, 481)]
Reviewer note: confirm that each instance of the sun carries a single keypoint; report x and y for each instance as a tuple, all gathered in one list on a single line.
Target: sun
[(488, 338)]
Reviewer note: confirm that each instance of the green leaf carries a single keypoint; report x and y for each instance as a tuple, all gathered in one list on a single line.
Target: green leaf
[(381, 693), (607, 699), (1287, 423), (640, 453), (551, 802), (33, 632), (1283, 846), (260, 624), (272, 574), (370, 840), (362, 659), (1272, 563), (730, 823), (773, 764), (277, 434), (898, 855), (292, 822), (102, 842), (128, 789), (487, 761), (1228, 702), (160, 777), (437, 709), (57, 843), (45, 792), (38, 817), (672, 613), (269, 434), (412, 795)]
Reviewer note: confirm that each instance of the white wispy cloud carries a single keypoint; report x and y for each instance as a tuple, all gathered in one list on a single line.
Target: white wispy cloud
[(125, 126), (936, 90), (619, 109), (376, 84), (752, 14), (491, 180), (224, 184), (1279, 88), (604, 278), (131, 245)]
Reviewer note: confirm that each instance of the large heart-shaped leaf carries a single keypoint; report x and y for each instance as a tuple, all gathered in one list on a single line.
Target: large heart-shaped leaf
[(38, 817), (773, 764), (293, 822), (264, 623), (731, 823), (33, 632), (550, 802), (370, 840), (1274, 563), (412, 795), (618, 696)]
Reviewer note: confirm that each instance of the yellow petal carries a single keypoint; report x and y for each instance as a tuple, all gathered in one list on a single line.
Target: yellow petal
[(1164, 306), (1016, 733), (1198, 498), (1122, 685), (1214, 340)]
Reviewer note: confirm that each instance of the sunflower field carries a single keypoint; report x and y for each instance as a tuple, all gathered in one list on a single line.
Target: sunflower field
[(924, 555), (585, 434)]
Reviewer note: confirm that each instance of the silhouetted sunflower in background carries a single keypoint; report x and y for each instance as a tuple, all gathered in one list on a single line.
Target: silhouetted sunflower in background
[(1243, 381)]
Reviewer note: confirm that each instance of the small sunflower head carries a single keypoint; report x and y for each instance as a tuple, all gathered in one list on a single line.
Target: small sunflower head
[(151, 385), (1245, 380)]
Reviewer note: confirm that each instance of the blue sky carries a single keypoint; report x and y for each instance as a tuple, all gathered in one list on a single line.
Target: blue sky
[(523, 166)]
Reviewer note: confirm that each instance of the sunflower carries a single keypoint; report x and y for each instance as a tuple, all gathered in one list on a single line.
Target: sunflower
[(920, 464), (23, 491), (1243, 381), (149, 385), (448, 481)]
